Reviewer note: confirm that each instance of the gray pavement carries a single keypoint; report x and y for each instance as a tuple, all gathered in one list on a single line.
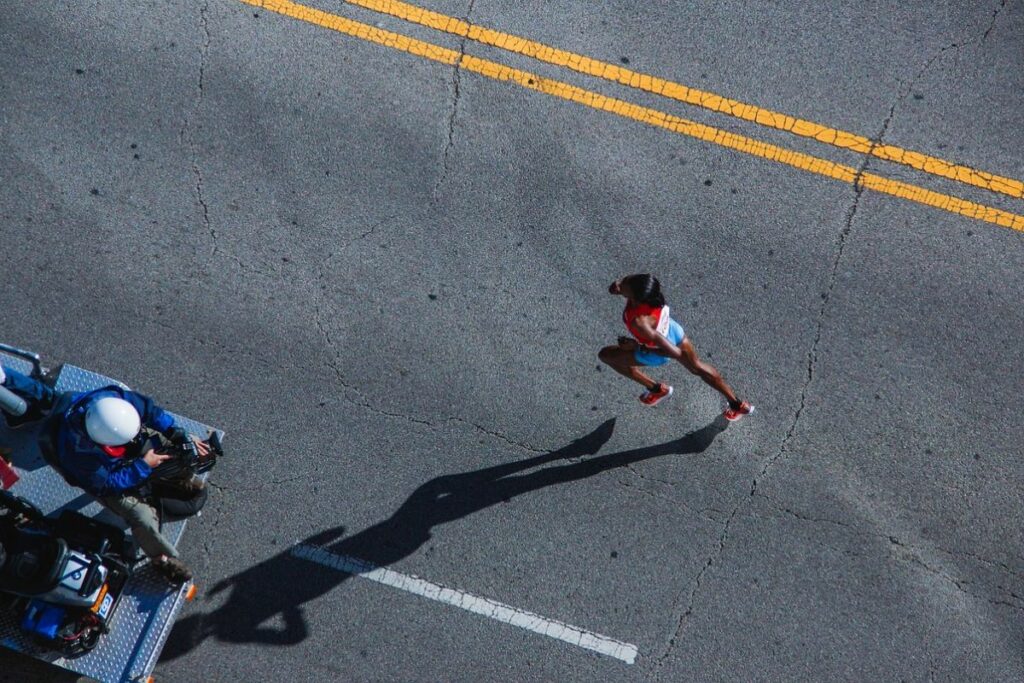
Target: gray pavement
[(374, 273)]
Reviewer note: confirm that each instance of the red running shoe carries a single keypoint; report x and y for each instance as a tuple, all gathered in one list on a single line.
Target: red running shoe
[(744, 408), (652, 397)]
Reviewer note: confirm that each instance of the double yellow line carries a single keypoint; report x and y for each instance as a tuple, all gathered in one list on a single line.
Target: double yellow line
[(653, 84)]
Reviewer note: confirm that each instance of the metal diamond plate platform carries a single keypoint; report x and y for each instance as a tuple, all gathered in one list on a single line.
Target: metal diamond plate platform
[(147, 610)]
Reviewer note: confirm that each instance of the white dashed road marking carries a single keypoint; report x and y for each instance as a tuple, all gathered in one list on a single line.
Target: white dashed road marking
[(488, 608)]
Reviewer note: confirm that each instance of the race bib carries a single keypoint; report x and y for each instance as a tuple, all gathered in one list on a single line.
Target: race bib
[(663, 322)]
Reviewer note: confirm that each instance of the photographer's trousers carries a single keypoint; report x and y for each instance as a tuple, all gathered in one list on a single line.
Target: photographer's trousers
[(144, 523)]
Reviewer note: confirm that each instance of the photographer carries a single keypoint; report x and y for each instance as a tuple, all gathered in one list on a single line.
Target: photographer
[(108, 441)]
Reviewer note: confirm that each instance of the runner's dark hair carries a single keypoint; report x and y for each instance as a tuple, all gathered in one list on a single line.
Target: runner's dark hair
[(647, 289)]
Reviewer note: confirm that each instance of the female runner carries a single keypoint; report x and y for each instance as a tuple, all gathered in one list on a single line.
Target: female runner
[(656, 338)]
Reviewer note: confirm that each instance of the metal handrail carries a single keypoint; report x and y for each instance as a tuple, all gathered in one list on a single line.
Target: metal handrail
[(37, 363)]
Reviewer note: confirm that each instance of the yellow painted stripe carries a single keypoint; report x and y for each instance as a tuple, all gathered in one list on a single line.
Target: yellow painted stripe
[(700, 98), (646, 115)]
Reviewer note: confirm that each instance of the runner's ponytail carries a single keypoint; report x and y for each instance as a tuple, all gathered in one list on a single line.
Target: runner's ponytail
[(647, 289)]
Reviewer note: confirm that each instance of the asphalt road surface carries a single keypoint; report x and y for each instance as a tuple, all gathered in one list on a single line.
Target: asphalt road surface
[(383, 271)]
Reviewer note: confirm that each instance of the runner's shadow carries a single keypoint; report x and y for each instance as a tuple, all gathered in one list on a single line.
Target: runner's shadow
[(265, 601)]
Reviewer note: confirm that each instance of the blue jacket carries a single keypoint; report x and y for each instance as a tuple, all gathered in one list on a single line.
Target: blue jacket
[(86, 462)]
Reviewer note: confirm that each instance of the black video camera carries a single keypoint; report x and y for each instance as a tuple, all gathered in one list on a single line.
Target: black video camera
[(186, 459)]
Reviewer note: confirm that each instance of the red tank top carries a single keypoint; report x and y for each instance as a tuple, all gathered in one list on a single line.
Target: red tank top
[(633, 311)]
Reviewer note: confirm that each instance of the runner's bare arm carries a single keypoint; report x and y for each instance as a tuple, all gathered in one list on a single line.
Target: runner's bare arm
[(664, 346)]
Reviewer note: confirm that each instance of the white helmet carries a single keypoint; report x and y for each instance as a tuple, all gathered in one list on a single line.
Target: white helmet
[(112, 421)]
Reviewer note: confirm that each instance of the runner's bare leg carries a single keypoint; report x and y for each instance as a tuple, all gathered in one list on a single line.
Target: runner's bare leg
[(705, 371), (623, 362)]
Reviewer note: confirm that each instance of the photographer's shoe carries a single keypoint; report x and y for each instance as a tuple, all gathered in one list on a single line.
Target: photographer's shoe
[(172, 569)]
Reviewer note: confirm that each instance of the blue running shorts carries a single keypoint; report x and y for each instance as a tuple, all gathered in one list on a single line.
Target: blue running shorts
[(644, 357)]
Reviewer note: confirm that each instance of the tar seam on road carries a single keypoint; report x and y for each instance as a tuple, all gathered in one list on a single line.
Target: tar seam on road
[(653, 117), (471, 603), (707, 100)]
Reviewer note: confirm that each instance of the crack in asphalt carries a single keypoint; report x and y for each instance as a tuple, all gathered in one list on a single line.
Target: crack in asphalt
[(812, 359), (671, 501), (321, 287), (826, 297), (960, 584), (914, 554), (321, 278), (456, 82), (217, 515), (695, 588), (995, 564), (370, 231), (812, 354), (189, 127), (956, 46), (992, 24), (356, 397), (233, 351), (257, 487)]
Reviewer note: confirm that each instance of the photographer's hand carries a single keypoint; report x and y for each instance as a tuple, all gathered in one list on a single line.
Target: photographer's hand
[(201, 446), (153, 459)]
